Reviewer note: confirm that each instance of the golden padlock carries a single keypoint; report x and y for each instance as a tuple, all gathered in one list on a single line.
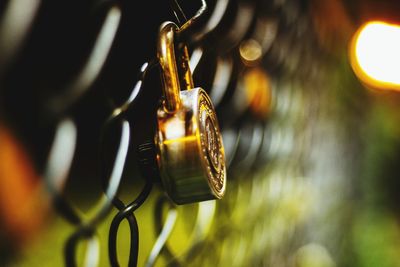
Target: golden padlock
[(190, 152)]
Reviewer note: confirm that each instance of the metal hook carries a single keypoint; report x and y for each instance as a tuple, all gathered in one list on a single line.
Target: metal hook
[(195, 30), (188, 24), (178, 12)]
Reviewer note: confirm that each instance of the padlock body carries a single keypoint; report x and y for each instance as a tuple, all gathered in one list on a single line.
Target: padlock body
[(190, 152)]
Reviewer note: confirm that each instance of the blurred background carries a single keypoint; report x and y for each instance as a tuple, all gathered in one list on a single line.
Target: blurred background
[(307, 93)]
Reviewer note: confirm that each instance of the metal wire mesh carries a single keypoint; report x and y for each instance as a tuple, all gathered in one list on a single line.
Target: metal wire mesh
[(63, 150), (275, 192)]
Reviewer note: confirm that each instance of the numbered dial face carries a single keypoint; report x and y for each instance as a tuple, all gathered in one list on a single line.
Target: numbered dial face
[(211, 145)]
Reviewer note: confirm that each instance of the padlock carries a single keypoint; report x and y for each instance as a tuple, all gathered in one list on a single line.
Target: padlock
[(190, 152)]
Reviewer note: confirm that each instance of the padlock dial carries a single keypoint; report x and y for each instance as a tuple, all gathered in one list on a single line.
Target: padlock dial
[(211, 145)]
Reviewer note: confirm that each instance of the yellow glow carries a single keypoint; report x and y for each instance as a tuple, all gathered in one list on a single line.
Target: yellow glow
[(184, 139), (174, 128), (250, 51), (375, 55), (258, 91)]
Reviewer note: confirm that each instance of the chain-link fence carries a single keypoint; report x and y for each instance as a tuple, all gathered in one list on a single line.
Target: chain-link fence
[(80, 87)]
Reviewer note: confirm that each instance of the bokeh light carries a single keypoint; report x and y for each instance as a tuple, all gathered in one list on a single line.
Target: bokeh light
[(375, 55)]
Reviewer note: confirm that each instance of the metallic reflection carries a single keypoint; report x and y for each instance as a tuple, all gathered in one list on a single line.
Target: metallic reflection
[(162, 238), (195, 58), (14, 26), (241, 24), (204, 218), (222, 77), (119, 163), (92, 255), (94, 63), (217, 15), (265, 32), (61, 155), (100, 51), (231, 140)]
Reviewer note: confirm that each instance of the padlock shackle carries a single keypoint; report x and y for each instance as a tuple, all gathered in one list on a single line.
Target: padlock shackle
[(166, 57), (174, 79)]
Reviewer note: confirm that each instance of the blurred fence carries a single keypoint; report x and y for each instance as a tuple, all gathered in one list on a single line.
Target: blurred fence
[(79, 86)]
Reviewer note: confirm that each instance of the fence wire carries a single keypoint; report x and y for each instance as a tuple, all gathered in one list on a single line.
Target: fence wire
[(271, 200)]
